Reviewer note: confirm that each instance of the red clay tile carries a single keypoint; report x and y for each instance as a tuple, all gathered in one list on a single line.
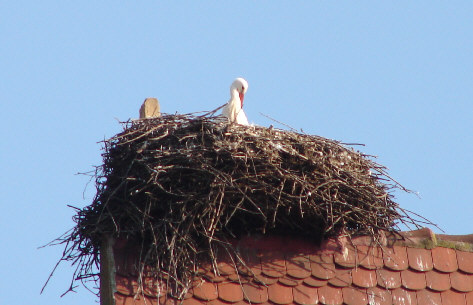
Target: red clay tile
[(346, 258), (315, 282), (212, 277), (205, 291), (252, 261), (363, 278), (225, 263), (465, 261), (437, 281), (354, 296), (382, 277), (413, 280), (428, 297), (461, 281), (193, 301), (280, 294), (321, 257), (379, 296), (451, 297), (404, 297), (255, 293), (298, 267), (139, 300), (444, 259), (220, 302), (151, 289), (266, 280), (126, 285), (305, 295), (323, 270), (226, 268), (123, 300), (369, 257), (166, 300), (273, 264), (388, 279), (330, 295), (342, 278), (469, 298), (230, 292), (238, 278), (420, 259), (395, 258), (288, 281), (169, 300)]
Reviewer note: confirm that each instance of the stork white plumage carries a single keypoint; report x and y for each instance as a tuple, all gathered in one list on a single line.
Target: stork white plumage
[(233, 110)]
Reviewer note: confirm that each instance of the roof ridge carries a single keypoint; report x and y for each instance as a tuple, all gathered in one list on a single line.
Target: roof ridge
[(427, 239)]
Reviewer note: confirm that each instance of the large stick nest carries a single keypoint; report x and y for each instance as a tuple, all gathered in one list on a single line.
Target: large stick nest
[(180, 184)]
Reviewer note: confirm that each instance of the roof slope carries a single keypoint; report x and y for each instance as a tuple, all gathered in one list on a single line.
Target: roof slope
[(423, 268)]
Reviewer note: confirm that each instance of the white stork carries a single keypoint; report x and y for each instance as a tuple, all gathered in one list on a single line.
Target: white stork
[(233, 110)]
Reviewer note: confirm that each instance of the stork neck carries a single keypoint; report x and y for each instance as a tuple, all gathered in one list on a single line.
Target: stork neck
[(235, 95)]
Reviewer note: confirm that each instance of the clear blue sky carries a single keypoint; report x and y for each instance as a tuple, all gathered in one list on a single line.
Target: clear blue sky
[(396, 76)]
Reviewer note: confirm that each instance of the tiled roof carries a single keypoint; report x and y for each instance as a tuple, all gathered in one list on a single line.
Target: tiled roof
[(424, 269)]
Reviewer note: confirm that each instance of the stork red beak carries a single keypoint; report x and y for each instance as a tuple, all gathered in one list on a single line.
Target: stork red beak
[(242, 96)]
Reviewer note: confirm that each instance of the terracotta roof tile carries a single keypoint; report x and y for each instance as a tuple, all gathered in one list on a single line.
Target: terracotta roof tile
[(252, 260), (444, 259), (425, 297), (404, 297), (212, 277), (379, 296), (321, 257), (354, 296), (237, 278), (219, 302), (341, 272), (420, 259), (363, 277), (451, 297), (126, 285), (226, 268), (469, 298), (461, 281), (305, 295), (266, 280), (166, 301), (342, 277), (298, 267), (413, 280), (314, 282), (255, 293), (230, 292), (465, 261), (273, 264), (280, 294), (330, 295), (323, 270), (388, 279), (437, 281), (191, 301), (205, 291), (346, 258), (395, 258), (289, 281), (369, 257)]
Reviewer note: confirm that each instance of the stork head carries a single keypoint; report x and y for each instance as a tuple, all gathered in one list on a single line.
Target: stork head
[(241, 86)]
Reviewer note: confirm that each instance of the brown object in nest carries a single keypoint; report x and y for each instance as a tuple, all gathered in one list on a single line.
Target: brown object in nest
[(182, 186), (150, 108)]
